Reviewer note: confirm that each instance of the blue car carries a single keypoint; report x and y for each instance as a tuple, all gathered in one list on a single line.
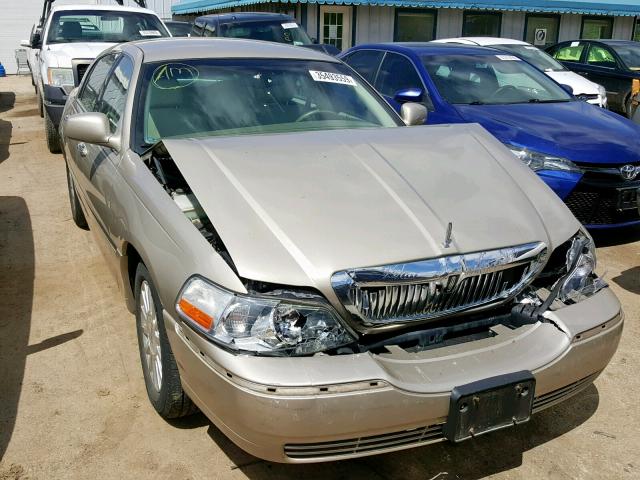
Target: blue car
[(589, 156)]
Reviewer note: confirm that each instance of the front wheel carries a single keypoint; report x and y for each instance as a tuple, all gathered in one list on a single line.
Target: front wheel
[(159, 367), (51, 132), (76, 209)]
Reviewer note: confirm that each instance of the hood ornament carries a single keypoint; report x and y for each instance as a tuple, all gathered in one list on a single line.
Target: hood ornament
[(447, 236), (629, 172)]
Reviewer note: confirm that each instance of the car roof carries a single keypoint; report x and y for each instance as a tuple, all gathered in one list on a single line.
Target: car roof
[(432, 48), (176, 48), (617, 42), (483, 41), (110, 8), (239, 17)]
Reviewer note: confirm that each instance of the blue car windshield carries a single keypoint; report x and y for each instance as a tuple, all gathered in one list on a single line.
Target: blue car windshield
[(491, 80), (206, 97)]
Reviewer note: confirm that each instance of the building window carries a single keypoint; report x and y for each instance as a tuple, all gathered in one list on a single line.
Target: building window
[(542, 30), (594, 28), (481, 24), (414, 25)]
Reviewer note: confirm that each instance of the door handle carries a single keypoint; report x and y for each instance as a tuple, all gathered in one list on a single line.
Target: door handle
[(82, 149)]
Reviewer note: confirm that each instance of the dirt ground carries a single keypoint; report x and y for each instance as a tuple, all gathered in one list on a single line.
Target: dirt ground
[(72, 397)]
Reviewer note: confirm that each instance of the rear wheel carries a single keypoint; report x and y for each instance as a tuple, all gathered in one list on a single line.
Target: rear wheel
[(159, 367), (51, 132), (76, 210)]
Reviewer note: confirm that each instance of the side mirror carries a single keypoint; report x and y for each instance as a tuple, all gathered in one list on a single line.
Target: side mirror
[(413, 113), (25, 43), (314, 40), (567, 88), (36, 40), (91, 127), (408, 95)]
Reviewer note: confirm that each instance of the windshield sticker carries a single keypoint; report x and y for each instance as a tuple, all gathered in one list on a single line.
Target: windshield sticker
[(575, 44), (171, 76), (289, 25), (330, 77), (150, 33), (531, 48), (510, 58)]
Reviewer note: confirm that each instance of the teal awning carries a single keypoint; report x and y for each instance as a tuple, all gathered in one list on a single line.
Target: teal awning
[(584, 7)]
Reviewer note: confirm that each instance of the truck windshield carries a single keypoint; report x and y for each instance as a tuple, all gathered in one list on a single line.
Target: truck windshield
[(270, 31), (491, 79), (187, 98), (84, 26)]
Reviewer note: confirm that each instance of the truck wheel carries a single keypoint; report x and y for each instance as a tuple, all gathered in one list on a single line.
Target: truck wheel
[(159, 367), (76, 209), (51, 132)]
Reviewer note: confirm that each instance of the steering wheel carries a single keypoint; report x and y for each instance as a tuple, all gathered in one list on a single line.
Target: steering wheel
[(503, 89), (313, 113)]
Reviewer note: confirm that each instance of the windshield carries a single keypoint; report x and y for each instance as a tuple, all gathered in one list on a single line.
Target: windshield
[(189, 98), (103, 26), (491, 79), (179, 29), (630, 55), (270, 31), (534, 56)]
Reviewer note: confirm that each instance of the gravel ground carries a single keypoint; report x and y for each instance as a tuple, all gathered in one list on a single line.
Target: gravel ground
[(72, 397)]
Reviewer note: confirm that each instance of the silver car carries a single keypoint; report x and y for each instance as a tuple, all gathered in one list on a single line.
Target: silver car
[(321, 280)]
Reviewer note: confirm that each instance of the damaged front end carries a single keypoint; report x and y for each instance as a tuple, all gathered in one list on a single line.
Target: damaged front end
[(413, 306)]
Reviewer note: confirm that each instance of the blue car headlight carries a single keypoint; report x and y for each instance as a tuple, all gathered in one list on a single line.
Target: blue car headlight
[(542, 161)]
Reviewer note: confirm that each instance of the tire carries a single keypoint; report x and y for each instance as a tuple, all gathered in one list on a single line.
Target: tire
[(162, 379), (76, 209), (51, 132), (40, 104), (628, 104)]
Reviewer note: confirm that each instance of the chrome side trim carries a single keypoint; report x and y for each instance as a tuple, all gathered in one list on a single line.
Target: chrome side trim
[(434, 288)]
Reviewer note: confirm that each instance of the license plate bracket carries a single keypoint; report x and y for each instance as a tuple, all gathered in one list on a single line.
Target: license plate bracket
[(628, 198), (490, 404)]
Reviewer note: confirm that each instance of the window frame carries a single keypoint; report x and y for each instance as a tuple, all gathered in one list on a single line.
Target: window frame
[(595, 17), (529, 15), (466, 13), (431, 11), (87, 76), (426, 97), (120, 58), (583, 54), (609, 50), (377, 69)]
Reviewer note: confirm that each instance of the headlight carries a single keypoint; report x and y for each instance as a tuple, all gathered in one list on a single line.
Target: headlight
[(59, 77), (541, 161), (581, 281), (301, 325)]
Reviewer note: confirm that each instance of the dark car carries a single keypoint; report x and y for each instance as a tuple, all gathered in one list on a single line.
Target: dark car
[(614, 64), (271, 27), (178, 29), (588, 155)]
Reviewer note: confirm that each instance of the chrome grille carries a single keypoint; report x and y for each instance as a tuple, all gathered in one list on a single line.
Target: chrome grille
[(362, 445), (439, 287)]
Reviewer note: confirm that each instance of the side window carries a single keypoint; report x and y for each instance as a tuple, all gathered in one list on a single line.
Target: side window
[(366, 63), (569, 53), (113, 99), (396, 73), (93, 84), (600, 57)]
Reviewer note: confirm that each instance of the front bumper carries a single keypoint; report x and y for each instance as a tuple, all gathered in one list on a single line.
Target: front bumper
[(323, 408)]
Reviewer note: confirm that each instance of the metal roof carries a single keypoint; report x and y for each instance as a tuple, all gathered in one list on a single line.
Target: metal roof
[(586, 7)]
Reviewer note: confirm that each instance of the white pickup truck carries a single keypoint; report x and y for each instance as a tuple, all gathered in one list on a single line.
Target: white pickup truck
[(72, 36)]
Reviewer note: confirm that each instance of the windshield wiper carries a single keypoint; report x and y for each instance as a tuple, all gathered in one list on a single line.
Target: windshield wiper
[(537, 100), (476, 102)]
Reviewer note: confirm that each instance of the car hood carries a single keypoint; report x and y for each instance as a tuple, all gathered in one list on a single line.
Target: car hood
[(580, 85), (61, 54), (575, 130), (295, 208)]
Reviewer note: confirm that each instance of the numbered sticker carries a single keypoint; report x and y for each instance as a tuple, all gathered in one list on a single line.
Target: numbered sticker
[(510, 58), (331, 77), (575, 44), (289, 25), (150, 33)]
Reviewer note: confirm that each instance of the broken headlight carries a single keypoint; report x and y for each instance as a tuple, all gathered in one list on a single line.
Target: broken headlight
[(580, 281), (261, 324), (541, 161)]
